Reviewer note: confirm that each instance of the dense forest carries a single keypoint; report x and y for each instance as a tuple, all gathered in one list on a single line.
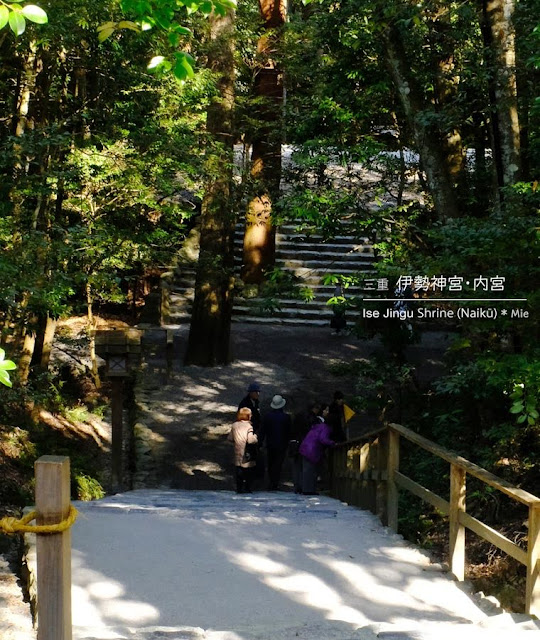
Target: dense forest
[(116, 116)]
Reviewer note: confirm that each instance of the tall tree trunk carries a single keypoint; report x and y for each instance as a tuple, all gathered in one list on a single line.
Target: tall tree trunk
[(499, 36), (432, 155), (210, 329), (91, 328), (259, 238), (44, 342), (26, 355), (446, 91)]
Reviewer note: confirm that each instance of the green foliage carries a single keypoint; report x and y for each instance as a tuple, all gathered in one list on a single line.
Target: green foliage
[(5, 366), (380, 384), (87, 488), (91, 183), (487, 409), (280, 284), (166, 16), (15, 16)]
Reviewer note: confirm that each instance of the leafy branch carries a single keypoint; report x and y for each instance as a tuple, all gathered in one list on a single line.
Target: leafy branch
[(15, 15), (165, 16), (5, 366)]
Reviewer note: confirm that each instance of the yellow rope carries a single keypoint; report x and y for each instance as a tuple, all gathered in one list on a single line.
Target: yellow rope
[(13, 525)]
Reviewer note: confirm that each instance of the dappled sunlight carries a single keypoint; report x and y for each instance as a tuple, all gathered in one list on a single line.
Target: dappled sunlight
[(399, 585), (212, 634), (260, 564), (101, 602), (230, 564), (246, 518), (300, 586), (214, 395), (212, 469), (401, 554), (372, 582), (311, 545)]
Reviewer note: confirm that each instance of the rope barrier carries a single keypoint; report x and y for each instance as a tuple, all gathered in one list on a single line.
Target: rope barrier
[(11, 525)]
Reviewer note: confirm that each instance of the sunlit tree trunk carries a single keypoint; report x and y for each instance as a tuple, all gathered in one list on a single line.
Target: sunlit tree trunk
[(44, 342), (209, 333), (427, 140), (25, 360), (259, 238), (499, 36), (446, 92), (91, 328)]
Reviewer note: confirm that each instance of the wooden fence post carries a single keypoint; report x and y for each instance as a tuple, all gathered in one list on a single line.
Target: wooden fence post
[(382, 475), (391, 486), (532, 602), (364, 483), (331, 471), (457, 530), (53, 549), (355, 484), (117, 424)]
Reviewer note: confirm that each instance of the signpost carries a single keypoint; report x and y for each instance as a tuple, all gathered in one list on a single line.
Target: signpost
[(119, 348)]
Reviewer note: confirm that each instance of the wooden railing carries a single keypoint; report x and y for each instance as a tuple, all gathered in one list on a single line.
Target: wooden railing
[(365, 473)]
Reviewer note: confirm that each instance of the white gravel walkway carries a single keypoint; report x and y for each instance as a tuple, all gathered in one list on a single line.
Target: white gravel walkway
[(204, 565)]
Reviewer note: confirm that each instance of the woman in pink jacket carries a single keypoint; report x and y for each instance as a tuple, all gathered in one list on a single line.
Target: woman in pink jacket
[(242, 433), (312, 451)]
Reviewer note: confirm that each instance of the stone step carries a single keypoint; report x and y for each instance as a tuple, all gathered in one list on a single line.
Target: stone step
[(290, 321), (313, 276), (322, 262), (440, 631), (179, 319), (336, 242), (249, 313), (280, 631), (283, 245), (337, 265), (318, 301), (290, 311), (310, 257)]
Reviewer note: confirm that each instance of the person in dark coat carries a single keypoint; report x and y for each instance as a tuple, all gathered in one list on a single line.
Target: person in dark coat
[(302, 423), (275, 434), (251, 401), (312, 450), (336, 417)]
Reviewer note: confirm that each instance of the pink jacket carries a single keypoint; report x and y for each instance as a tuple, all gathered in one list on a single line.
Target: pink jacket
[(241, 433)]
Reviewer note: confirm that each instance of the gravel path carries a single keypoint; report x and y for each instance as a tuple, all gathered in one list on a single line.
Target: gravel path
[(184, 413), (15, 617), (213, 565)]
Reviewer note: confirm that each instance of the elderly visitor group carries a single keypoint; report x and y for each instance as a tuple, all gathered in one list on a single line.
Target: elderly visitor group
[(263, 443)]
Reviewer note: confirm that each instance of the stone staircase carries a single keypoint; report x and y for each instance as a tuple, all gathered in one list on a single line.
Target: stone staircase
[(304, 258)]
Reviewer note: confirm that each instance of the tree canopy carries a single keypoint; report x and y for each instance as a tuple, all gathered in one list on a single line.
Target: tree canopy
[(416, 123)]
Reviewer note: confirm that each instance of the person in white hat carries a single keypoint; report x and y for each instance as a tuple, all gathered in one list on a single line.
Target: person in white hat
[(275, 434)]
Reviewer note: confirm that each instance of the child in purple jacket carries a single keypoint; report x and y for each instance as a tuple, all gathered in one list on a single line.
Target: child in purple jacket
[(312, 451)]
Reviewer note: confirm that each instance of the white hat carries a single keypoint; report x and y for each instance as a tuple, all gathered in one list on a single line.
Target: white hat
[(278, 402)]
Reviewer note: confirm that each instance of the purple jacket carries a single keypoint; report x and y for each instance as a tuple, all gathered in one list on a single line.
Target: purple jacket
[(313, 445)]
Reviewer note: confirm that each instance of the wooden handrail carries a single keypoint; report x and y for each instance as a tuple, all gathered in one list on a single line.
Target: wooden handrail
[(365, 472), (474, 470), (361, 439)]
